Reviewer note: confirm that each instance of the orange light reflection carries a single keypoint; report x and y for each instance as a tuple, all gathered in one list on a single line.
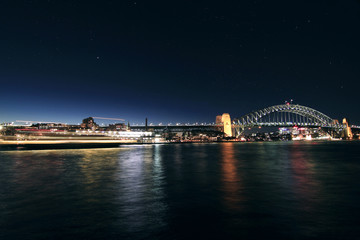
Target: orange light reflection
[(232, 182)]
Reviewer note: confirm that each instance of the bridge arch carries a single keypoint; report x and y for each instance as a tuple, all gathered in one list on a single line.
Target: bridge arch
[(286, 115)]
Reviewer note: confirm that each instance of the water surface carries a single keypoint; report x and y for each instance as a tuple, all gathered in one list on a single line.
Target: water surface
[(281, 190)]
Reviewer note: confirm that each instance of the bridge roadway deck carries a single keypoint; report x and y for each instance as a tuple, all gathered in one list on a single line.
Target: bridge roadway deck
[(180, 128)]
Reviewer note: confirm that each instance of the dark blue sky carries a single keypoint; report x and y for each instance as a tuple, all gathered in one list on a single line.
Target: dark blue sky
[(176, 61)]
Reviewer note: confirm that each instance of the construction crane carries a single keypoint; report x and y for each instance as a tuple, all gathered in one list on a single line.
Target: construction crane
[(116, 119)]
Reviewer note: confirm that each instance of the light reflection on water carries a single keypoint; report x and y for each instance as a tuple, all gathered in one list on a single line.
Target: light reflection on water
[(233, 194), (141, 195), (230, 190)]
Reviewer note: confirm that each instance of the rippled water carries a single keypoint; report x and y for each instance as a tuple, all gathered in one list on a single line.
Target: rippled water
[(283, 190)]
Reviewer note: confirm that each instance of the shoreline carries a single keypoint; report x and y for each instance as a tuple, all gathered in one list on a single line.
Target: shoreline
[(52, 145)]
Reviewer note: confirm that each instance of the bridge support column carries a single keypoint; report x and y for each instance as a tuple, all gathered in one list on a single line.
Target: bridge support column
[(347, 133), (225, 120)]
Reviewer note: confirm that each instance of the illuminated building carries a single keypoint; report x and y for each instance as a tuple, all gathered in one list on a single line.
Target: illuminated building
[(117, 127), (88, 123)]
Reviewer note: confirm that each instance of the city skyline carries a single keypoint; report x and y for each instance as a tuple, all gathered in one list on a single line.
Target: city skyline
[(268, 115), (176, 62)]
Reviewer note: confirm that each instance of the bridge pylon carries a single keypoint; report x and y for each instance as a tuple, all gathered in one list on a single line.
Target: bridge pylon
[(346, 133), (225, 121)]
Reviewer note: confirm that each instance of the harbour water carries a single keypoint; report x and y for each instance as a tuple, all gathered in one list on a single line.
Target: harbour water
[(268, 190)]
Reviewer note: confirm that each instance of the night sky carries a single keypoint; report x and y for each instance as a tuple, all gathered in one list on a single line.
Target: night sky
[(176, 61)]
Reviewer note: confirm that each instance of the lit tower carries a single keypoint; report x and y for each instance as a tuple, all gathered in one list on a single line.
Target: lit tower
[(347, 131), (227, 124)]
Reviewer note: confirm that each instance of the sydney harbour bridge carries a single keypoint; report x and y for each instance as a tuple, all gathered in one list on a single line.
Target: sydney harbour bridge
[(290, 115), (283, 115), (287, 115)]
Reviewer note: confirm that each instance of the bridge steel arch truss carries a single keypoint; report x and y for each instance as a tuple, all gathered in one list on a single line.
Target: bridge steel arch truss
[(305, 117)]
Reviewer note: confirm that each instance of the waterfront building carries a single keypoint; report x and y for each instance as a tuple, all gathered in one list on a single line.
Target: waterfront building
[(88, 123), (118, 127)]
